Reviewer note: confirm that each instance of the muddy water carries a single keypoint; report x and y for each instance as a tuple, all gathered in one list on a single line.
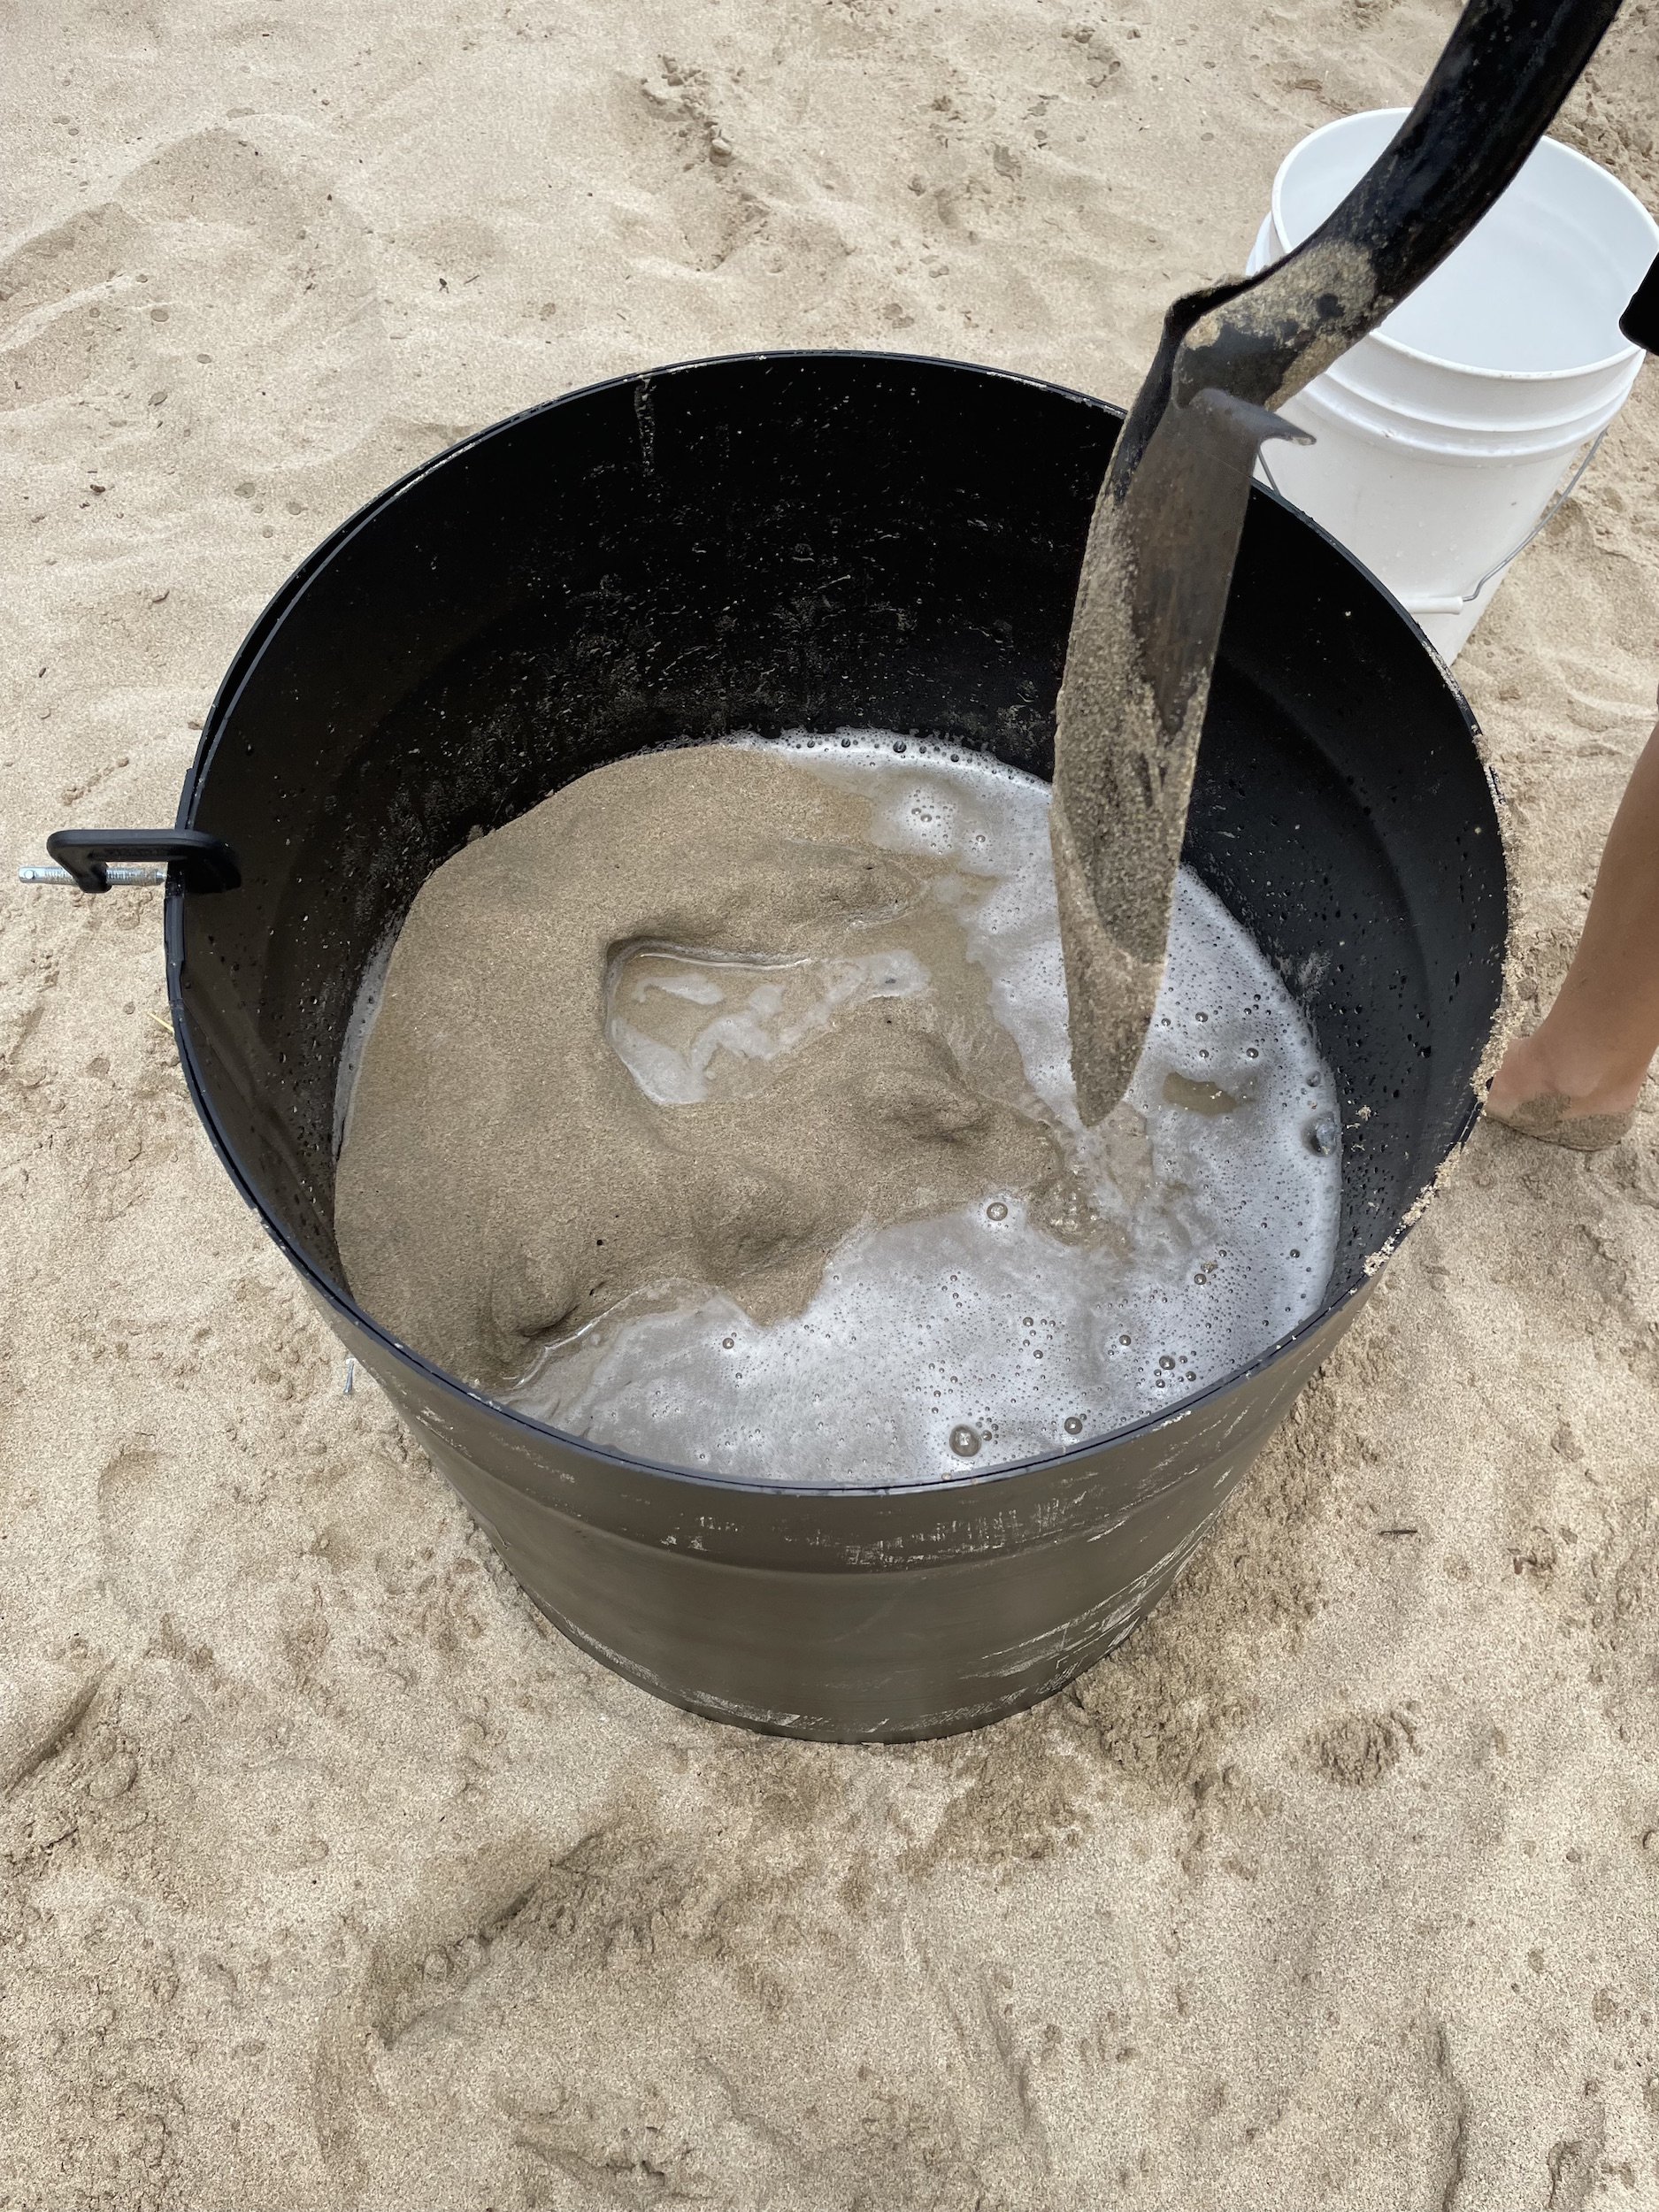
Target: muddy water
[(1184, 1236)]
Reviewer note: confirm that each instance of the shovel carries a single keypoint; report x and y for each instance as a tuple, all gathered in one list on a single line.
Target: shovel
[(1166, 526)]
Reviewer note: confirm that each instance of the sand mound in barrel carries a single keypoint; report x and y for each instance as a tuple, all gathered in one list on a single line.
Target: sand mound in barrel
[(507, 1177)]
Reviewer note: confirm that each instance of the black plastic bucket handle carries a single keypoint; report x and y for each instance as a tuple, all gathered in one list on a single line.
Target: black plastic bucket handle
[(205, 863)]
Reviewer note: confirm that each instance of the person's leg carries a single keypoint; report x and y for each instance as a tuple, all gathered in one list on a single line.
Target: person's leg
[(1576, 1079)]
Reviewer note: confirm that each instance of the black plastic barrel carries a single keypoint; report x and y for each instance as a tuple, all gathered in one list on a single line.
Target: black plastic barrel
[(813, 542)]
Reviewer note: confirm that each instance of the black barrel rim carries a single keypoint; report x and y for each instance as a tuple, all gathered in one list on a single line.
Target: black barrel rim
[(337, 1297)]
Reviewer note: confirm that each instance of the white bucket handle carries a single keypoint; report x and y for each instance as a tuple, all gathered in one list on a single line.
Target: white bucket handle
[(1450, 604)]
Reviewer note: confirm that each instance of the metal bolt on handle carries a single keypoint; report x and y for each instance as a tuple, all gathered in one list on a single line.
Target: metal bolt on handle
[(119, 879)]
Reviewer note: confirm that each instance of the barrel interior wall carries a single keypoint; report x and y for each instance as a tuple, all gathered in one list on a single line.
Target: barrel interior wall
[(1384, 840), (813, 542), (1278, 834), (831, 546)]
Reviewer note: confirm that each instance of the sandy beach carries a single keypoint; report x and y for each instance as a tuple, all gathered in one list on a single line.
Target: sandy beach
[(333, 1876)]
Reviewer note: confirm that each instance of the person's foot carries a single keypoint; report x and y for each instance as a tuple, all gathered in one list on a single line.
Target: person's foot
[(1543, 1091)]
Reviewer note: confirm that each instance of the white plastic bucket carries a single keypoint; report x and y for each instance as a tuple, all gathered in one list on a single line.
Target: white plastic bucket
[(1444, 437)]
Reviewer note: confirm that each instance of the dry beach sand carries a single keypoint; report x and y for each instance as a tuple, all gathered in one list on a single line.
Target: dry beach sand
[(333, 1878)]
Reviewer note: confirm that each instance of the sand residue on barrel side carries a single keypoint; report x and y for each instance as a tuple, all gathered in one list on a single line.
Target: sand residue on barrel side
[(506, 1180)]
